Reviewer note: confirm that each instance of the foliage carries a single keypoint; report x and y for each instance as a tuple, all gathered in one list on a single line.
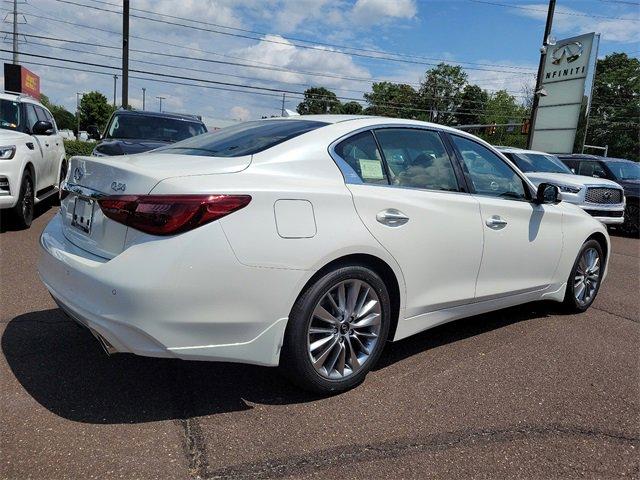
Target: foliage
[(473, 102), (319, 100), (501, 107), (63, 117), (94, 110), (615, 113), (441, 92), (392, 100), (76, 147), (351, 108)]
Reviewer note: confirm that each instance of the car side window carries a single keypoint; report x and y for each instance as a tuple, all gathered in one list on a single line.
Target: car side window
[(489, 174), (32, 118), (42, 116), (417, 158), (361, 153), (51, 119), (572, 164), (592, 169)]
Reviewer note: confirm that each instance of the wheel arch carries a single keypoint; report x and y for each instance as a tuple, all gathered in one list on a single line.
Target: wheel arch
[(602, 241), (378, 265), (32, 170)]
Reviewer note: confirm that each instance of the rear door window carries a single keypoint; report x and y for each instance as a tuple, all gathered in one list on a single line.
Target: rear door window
[(361, 153), (417, 158), (243, 139), (592, 169)]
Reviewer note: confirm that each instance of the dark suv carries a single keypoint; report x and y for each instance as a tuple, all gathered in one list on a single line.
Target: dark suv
[(624, 172), (137, 131)]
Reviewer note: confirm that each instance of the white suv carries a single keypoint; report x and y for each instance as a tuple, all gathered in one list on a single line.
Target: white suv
[(600, 198), (32, 157)]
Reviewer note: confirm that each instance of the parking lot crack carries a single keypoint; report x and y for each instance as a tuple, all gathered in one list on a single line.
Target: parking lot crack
[(324, 459), (194, 448)]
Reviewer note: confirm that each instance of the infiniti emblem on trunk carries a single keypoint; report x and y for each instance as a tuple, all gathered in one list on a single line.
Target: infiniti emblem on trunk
[(118, 187), (78, 174)]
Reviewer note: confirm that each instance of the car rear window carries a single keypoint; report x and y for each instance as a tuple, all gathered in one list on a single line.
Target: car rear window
[(243, 139)]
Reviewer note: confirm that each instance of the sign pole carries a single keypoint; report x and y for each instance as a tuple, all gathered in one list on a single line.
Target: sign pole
[(543, 57), (125, 54), (15, 32)]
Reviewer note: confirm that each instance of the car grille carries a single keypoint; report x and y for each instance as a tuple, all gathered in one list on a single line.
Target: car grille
[(605, 213), (603, 195)]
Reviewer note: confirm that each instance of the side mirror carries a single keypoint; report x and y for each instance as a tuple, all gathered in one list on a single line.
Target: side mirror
[(548, 193), (94, 132), (42, 128)]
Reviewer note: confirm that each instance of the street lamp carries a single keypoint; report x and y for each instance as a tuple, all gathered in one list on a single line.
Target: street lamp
[(161, 98), (78, 95)]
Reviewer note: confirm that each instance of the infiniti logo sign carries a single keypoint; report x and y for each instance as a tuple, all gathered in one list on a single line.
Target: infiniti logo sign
[(78, 174), (569, 51)]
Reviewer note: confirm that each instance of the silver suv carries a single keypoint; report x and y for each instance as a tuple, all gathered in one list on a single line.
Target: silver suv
[(600, 198)]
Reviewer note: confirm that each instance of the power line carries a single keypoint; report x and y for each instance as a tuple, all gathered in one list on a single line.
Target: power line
[(288, 43), (558, 12)]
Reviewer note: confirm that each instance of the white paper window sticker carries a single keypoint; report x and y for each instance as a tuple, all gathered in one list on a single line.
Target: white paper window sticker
[(371, 169)]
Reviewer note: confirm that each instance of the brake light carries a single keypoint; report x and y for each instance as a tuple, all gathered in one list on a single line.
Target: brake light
[(169, 214)]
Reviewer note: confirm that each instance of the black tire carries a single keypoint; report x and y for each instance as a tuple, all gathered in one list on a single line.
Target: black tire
[(295, 361), (63, 174), (571, 302), (22, 212), (631, 225)]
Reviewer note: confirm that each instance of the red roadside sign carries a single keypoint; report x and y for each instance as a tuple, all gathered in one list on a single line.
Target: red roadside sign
[(21, 80)]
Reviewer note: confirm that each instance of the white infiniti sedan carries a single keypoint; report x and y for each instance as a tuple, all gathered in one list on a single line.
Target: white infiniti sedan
[(309, 242)]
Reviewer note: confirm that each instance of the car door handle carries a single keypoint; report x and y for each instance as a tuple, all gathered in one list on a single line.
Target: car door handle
[(392, 217), (496, 221)]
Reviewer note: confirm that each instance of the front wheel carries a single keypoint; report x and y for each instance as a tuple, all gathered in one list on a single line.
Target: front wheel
[(22, 213), (586, 275), (337, 330), (631, 223)]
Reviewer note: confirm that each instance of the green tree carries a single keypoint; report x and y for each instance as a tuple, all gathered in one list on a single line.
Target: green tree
[(63, 117), (95, 109), (351, 108), (392, 100), (473, 103), (614, 119), (319, 100), (441, 92)]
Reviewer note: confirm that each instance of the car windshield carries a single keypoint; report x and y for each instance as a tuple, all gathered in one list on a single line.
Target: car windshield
[(624, 170), (150, 127), (243, 139), (9, 114), (537, 162)]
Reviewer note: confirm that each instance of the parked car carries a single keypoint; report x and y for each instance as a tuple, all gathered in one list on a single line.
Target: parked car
[(599, 197), (309, 242), (67, 134), (136, 131), (624, 172), (32, 157)]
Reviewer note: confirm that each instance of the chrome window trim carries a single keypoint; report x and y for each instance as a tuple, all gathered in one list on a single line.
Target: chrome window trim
[(352, 178)]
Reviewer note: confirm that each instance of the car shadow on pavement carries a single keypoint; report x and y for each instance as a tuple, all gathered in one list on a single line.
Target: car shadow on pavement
[(8, 225), (63, 367)]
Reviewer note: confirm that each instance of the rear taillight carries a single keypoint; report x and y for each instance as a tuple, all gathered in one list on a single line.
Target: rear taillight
[(169, 214)]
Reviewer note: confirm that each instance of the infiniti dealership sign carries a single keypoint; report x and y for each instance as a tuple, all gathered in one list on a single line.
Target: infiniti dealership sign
[(568, 66)]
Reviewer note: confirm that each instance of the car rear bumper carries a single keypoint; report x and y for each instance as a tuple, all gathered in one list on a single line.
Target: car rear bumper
[(152, 301)]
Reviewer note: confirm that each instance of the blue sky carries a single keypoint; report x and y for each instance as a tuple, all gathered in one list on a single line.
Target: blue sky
[(498, 44)]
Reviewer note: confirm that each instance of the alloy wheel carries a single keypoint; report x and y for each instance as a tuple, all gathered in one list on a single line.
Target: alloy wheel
[(587, 276), (27, 200), (344, 329)]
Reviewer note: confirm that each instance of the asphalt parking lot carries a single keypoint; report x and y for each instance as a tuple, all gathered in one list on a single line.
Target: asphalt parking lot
[(521, 393)]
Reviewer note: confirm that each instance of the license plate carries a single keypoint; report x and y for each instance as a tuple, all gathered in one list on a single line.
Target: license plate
[(82, 214)]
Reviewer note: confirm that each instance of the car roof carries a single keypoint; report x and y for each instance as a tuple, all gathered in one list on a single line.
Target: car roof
[(521, 150), (20, 97), (586, 156), (147, 113)]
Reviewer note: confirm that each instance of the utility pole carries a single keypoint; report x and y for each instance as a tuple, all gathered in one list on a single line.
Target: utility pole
[(543, 58), (161, 98), (78, 95), (144, 94), (15, 32), (125, 53), (115, 80), (282, 110)]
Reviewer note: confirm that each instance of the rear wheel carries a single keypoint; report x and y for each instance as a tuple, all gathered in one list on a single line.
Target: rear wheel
[(22, 212), (337, 330), (584, 282)]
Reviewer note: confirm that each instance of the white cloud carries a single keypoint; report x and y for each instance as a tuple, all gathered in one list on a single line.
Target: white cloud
[(373, 12), (240, 113), (624, 29)]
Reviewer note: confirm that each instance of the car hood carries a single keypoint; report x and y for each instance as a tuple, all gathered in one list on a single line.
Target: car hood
[(569, 179), (128, 146), (12, 136)]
